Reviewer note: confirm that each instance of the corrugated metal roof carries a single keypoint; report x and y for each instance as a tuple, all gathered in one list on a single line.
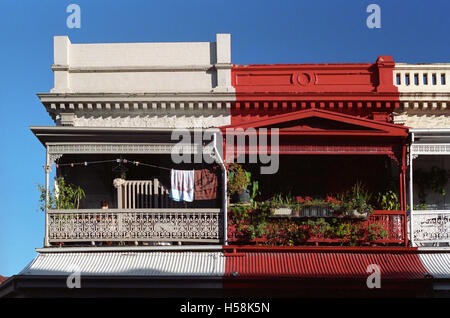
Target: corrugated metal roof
[(129, 264), (322, 265), (437, 264)]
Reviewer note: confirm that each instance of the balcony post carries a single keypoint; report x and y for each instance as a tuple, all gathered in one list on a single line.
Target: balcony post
[(47, 169), (411, 193), (224, 189), (403, 187), (119, 184)]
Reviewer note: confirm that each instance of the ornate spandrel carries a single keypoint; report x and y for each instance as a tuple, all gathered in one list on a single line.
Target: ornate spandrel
[(58, 149)]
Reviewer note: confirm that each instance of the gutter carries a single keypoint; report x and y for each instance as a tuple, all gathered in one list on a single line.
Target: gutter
[(95, 249)]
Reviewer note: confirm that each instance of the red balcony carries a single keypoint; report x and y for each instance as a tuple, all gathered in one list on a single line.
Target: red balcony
[(381, 228)]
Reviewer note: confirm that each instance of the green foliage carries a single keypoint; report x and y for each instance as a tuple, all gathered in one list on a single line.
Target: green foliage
[(279, 200), (238, 179), (254, 192), (421, 206), (357, 198), (68, 196), (376, 231), (435, 180), (320, 226), (42, 196), (255, 223), (388, 200), (341, 230)]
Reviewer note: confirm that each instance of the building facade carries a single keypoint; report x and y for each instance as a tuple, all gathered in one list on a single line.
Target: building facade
[(117, 108)]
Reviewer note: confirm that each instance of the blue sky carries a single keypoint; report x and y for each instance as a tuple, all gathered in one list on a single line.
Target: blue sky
[(262, 32)]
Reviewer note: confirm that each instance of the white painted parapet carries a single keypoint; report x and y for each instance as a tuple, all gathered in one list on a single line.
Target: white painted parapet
[(423, 78), (424, 93), (142, 67)]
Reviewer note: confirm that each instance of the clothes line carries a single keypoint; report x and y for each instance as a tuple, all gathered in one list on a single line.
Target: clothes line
[(86, 163), (185, 184)]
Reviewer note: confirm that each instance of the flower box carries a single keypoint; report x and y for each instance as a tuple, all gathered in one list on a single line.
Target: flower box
[(321, 211), (282, 211)]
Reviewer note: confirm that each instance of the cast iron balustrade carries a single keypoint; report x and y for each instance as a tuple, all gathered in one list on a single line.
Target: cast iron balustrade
[(135, 225), (430, 226)]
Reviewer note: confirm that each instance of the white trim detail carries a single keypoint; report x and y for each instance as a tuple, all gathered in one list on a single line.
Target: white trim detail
[(115, 148), (430, 149)]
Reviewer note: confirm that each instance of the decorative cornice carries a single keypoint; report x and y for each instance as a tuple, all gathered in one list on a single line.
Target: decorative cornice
[(56, 103), (133, 106), (158, 68), (139, 97), (425, 105), (59, 67)]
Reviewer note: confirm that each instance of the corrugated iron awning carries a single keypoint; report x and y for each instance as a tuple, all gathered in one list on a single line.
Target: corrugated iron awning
[(437, 264), (165, 264), (322, 265)]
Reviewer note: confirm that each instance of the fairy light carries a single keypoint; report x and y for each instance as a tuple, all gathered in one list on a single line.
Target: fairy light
[(125, 161)]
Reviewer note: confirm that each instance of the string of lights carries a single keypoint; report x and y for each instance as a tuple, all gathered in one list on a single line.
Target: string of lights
[(124, 161)]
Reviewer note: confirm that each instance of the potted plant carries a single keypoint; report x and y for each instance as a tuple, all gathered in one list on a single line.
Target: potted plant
[(318, 207), (356, 203), (281, 205), (238, 181)]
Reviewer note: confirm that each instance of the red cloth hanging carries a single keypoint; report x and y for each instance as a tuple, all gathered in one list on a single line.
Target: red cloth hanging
[(205, 184)]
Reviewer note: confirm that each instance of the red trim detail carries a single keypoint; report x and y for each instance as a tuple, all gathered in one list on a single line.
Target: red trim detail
[(233, 249), (374, 127), (368, 137)]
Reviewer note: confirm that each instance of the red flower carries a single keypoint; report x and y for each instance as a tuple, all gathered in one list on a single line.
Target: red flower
[(308, 199), (332, 200), (300, 200)]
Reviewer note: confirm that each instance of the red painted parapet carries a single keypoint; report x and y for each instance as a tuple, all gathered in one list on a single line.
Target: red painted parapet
[(385, 67), (361, 89), (290, 81)]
